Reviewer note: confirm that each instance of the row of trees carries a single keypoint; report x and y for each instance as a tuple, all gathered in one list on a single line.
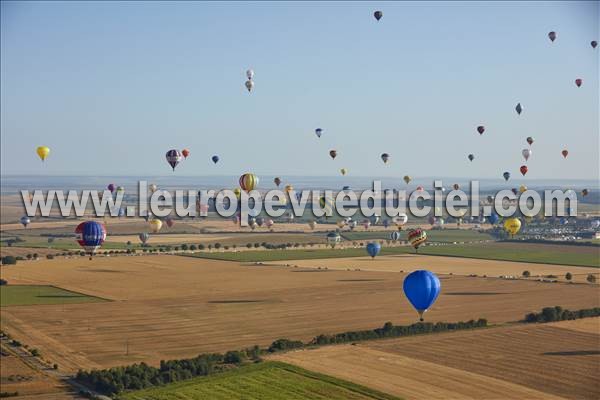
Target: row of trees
[(557, 313), (140, 376), (591, 278)]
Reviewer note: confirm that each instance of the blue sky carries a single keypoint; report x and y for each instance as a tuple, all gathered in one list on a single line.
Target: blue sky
[(112, 86)]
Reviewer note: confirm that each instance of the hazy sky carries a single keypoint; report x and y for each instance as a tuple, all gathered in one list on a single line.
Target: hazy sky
[(112, 86)]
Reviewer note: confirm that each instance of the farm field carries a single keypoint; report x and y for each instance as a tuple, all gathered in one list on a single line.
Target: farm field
[(168, 307), (19, 295), (267, 380), (585, 256), (17, 376), (449, 265), (536, 361)]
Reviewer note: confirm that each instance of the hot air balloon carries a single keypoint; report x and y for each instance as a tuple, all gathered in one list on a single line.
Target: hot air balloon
[(584, 193), (481, 129), (269, 223), (152, 187), (333, 238), (121, 212), (260, 221), (493, 218), (395, 236), (343, 171), (312, 224), (522, 189), (552, 36), (144, 237), (185, 153), (431, 220), (237, 192), (385, 157), (523, 169), (174, 157), (456, 186), (288, 188), (155, 225), (366, 224), (249, 74), (90, 235), (506, 176), (530, 140), (512, 225), (594, 44), (111, 187), (471, 157), (407, 179), (417, 237), (419, 188), (526, 154), (378, 15), (120, 189), (170, 221), (333, 154), (318, 132), (578, 82), (565, 153), (386, 223), (374, 219), (514, 190), (519, 109), (43, 152), (421, 288), (25, 221), (373, 249), (215, 159), (249, 85), (352, 225), (341, 223), (400, 220), (277, 181), (248, 182)]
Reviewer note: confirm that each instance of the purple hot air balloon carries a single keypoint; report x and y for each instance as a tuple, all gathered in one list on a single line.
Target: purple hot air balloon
[(111, 187), (174, 157)]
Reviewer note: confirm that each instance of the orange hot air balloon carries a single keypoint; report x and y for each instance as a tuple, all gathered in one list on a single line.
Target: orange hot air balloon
[(565, 153), (523, 169), (185, 153), (578, 82)]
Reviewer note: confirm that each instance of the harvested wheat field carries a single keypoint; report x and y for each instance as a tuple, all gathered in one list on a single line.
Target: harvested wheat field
[(450, 265), (516, 362), (167, 307), (17, 376)]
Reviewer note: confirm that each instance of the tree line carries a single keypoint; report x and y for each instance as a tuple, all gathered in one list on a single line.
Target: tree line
[(557, 313), (139, 376)]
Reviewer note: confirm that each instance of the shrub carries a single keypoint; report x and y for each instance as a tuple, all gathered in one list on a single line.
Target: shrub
[(28, 256), (526, 274), (184, 247), (217, 246), (233, 357), (9, 260), (201, 246), (3, 282), (35, 352), (568, 276), (193, 247), (249, 245), (50, 256), (591, 278)]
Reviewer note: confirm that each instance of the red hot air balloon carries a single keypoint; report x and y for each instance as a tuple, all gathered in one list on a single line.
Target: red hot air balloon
[(523, 169), (481, 129), (578, 82), (552, 36), (594, 44), (565, 153), (185, 153)]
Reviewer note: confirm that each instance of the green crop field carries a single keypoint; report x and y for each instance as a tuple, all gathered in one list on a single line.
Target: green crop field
[(558, 254), (24, 295), (267, 380)]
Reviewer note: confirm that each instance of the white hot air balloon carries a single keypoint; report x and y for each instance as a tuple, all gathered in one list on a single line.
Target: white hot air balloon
[(526, 153), (250, 74)]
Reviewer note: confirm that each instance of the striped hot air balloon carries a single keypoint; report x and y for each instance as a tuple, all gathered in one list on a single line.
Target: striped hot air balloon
[(174, 157), (248, 182), (417, 237)]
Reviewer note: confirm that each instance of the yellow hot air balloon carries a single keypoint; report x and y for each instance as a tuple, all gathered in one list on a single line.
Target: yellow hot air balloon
[(288, 188), (237, 192), (43, 152), (522, 188), (248, 182), (155, 225), (341, 223), (312, 224), (344, 171), (512, 226)]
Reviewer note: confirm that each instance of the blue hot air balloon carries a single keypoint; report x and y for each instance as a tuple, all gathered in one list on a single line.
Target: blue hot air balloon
[(215, 159), (373, 249), (493, 218), (90, 235), (506, 175), (395, 236), (421, 289)]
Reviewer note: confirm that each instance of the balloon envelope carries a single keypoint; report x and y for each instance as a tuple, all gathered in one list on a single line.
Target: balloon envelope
[(90, 235), (552, 36), (43, 152), (373, 249), (318, 132), (173, 157), (25, 221), (523, 169), (248, 181), (506, 175), (481, 129), (421, 288), (333, 153), (215, 159), (378, 15)]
